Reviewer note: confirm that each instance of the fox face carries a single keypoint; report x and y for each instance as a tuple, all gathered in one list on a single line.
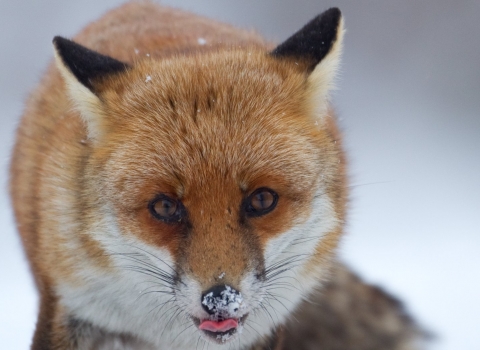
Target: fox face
[(215, 181), (214, 185)]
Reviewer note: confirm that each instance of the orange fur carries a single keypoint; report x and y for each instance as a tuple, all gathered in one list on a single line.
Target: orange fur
[(206, 124)]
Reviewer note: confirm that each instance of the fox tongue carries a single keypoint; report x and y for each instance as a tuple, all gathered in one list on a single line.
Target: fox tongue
[(222, 326)]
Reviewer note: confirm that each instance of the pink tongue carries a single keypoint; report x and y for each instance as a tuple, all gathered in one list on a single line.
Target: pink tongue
[(221, 326)]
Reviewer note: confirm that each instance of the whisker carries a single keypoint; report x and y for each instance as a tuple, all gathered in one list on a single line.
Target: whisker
[(154, 256), (271, 307), (275, 298), (150, 273), (254, 330), (150, 266), (284, 263), (198, 341), (268, 313), (191, 325), (161, 306)]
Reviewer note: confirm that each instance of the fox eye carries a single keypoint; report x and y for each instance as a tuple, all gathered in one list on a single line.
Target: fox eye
[(166, 209), (261, 202)]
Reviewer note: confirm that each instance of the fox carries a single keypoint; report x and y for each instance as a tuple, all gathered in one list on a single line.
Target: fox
[(179, 183)]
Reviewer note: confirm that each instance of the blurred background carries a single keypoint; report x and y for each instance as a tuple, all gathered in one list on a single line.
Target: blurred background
[(409, 105)]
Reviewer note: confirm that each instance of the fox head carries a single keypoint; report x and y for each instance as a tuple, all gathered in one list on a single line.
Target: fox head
[(216, 179)]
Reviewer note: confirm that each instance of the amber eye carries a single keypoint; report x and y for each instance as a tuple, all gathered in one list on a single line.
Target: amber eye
[(166, 209), (261, 201)]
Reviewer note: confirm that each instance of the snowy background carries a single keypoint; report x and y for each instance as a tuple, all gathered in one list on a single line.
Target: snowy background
[(409, 102)]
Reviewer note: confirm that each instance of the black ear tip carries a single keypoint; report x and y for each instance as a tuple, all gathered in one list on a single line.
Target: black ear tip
[(327, 20), (85, 64), (333, 12), (332, 15), (58, 41), (313, 42), (63, 45)]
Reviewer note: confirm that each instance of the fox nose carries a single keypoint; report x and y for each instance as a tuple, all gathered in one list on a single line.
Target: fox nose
[(222, 300)]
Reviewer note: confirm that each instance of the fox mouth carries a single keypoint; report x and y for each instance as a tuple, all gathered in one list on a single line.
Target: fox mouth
[(220, 331)]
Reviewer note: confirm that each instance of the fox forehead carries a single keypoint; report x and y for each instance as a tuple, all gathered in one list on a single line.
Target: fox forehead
[(187, 123)]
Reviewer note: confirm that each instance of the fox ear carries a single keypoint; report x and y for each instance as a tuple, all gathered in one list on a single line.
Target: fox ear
[(81, 68), (317, 46)]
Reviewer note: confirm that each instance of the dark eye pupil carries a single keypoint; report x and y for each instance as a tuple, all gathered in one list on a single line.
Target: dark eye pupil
[(165, 208), (262, 200)]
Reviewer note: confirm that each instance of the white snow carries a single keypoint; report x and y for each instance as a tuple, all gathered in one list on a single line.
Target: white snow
[(201, 41), (227, 304), (148, 78), (224, 337)]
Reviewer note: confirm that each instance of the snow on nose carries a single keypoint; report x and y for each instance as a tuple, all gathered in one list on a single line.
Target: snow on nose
[(222, 301)]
